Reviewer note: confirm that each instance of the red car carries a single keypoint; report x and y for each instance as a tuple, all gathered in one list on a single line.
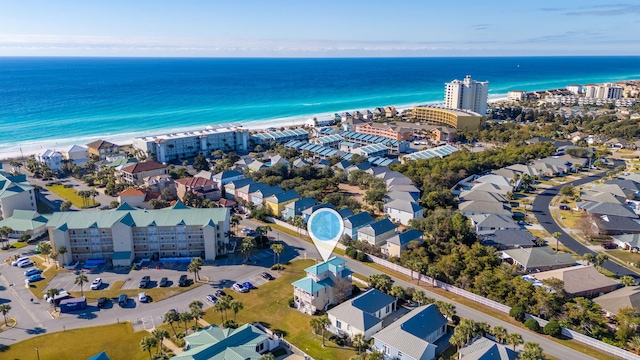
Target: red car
[(609, 245)]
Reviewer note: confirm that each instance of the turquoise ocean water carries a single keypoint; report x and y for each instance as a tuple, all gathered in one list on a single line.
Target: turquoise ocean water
[(55, 102)]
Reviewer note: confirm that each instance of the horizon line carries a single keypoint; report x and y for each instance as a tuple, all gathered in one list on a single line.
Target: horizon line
[(315, 57)]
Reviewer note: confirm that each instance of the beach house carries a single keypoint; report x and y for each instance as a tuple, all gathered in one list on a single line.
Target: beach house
[(403, 211), (200, 187), (277, 202), (315, 291), (135, 173), (50, 158), (295, 208), (399, 242), (25, 222), (378, 232), (78, 155), (355, 222), (363, 314), (102, 149)]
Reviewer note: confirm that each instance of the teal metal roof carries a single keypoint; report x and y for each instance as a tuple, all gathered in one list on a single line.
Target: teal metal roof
[(214, 343), (440, 151), (333, 265), (23, 220), (308, 284)]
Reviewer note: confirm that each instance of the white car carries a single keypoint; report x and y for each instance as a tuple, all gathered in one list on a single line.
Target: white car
[(239, 288), (142, 297), (18, 261), (25, 264), (95, 285)]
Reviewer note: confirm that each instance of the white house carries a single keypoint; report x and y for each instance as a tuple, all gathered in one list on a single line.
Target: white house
[(361, 315), (403, 211), (378, 232), (315, 291), (78, 154), (51, 158)]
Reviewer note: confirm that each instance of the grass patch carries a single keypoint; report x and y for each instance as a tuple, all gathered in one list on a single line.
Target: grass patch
[(567, 217), (70, 194), (539, 233), (625, 256), (19, 244), (274, 312), (118, 340), (156, 293)]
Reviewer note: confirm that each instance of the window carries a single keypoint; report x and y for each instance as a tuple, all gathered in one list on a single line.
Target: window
[(338, 324), (400, 354)]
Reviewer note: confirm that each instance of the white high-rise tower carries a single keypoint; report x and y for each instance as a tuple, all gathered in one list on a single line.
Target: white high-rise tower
[(467, 94)]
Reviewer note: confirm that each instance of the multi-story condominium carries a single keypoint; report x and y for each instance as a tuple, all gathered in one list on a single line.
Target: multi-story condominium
[(516, 95), (15, 194), (192, 143), (125, 233), (575, 89), (315, 291), (457, 119), (102, 148), (604, 91), (135, 173), (51, 158), (385, 130), (467, 94), (280, 136)]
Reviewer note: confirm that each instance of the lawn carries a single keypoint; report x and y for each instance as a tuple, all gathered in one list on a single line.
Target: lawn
[(70, 194), (118, 340), (274, 312), (568, 217), (624, 255)]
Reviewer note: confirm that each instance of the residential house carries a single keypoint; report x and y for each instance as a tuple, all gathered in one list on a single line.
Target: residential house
[(345, 213), (279, 160), (616, 225), (258, 196), (342, 165), (298, 163), (158, 183), (15, 194), (306, 213), (477, 195), (200, 187), (354, 223), (243, 163), (246, 342), (244, 192), (524, 169), (581, 281), (605, 208), (295, 208), (390, 112), (617, 143), (597, 196), (628, 241), (482, 348), (470, 208), (508, 239), (23, 222), (493, 188), (278, 201), (413, 336), (256, 165), (489, 223), (630, 187), (51, 158), (628, 296), (538, 259), (501, 181), (315, 291), (412, 189), (361, 315), (137, 198), (403, 211), (78, 155), (230, 189), (399, 242), (222, 178), (226, 203), (136, 172), (401, 195), (102, 148), (378, 232)]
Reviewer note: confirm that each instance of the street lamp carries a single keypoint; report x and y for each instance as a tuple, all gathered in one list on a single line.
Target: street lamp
[(37, 354)]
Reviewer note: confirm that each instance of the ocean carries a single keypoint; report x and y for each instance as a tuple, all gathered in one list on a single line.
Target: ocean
[(57, 102)]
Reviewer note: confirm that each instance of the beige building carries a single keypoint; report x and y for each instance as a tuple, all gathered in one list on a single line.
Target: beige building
[(456, 119), (315, 291), (135, 173), (467, 94), (516, 95), (125, 233), (15, 194), (102, 149)]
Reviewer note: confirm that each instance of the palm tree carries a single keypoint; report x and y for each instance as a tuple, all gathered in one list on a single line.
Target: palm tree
[(500, 333), (4, 232), (52, 293), (170, 317), (148, 343), (589, 258), (419, 297), (159, 335), (376, 355), (557, 235), (458, 339), (397, 292), (247, 245), (235, 305), (263, 230), (277, 250), (634, 343), (4, 309), (220, 307), (225, 304), (235, 221), (298, 222), (185, 317), (195, 266), (532, 351), (323, 322), (358, 341), (45, 249), (315, 325), (196, 310), (81, 280), (267, 356), (447, 309), (627, 280), (62, 250), (514, 339)]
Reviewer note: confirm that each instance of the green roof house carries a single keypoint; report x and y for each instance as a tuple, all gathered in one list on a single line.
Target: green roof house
[(213, 343)]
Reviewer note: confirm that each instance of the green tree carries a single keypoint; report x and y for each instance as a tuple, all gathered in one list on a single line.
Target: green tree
[(568, 191), (627, 280), (589, 258), (358, 341), (235, 221), (447, 309), (267, 356), (514, 339), (235, 306), (600, 259), (248, 244), (419, 297), (62, 250), (196, 311), (634, 344), (45, 249), (81, 280), (277, 250), (552, 328), (195, 266), (4, 309), (381, 282), (557, 235), (532, 351), (185, 317), (500, 333), (200, 163), (171, 317), (4, 233), (397, 291), (148, 343), (51, 294)]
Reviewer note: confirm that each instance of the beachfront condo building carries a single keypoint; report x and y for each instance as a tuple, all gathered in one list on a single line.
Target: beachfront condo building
[(125, 233), (15, 194), (385, 130), (457, 119), (188, 144), (467, 94), (516, 95), (604, 91)]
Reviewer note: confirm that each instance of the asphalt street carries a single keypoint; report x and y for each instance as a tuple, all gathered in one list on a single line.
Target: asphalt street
[(542, 212)]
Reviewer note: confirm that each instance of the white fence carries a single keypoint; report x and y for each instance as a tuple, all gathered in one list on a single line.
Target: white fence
[(288, 226), (611, 349)]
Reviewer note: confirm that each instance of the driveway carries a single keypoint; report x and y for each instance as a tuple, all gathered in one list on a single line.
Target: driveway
[(543, 214)]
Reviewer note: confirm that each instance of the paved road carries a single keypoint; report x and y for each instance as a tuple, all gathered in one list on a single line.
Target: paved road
[(543, 214)]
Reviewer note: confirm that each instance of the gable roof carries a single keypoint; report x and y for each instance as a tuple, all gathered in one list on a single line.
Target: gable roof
[(494, 221), (628, 296), (625, 184), (23, 220), (405, 237), (302, 204), (132, 192), (332, 264), (484, 207), (195, 182), (402, 195), (100, 144), (509, 238), (358, 220), (612, 223), (406, 206), (632, 239), (532, 258), (578, 279), (480, 195), (135, 168), (214, 343), (359, 312), (283, 196), (408, 334), (378, 227), (485, 349), (495, 188), (606, 208)]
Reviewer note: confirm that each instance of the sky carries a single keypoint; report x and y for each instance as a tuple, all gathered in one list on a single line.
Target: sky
[(327, 28)]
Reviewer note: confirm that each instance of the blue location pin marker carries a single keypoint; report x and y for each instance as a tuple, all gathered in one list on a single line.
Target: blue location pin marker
[(325, 226)]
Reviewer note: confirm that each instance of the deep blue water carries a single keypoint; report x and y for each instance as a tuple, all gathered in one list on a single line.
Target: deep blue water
[(58, 101)]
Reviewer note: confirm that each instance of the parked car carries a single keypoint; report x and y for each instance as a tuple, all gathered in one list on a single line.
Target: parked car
[(267, 276), (34, 278), (164, 282), (220, 293), (248, 285), (25, 264), (183, 281), (239, 288), (95, 285), (122, 300), (212, 299), (142, 297), (32, 272), (247, 231), (17, 262), (609, 245), (144, 283), (102, 302), (564, 207)]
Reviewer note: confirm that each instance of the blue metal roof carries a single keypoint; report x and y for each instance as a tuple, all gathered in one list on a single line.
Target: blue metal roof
[(308, 284)]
